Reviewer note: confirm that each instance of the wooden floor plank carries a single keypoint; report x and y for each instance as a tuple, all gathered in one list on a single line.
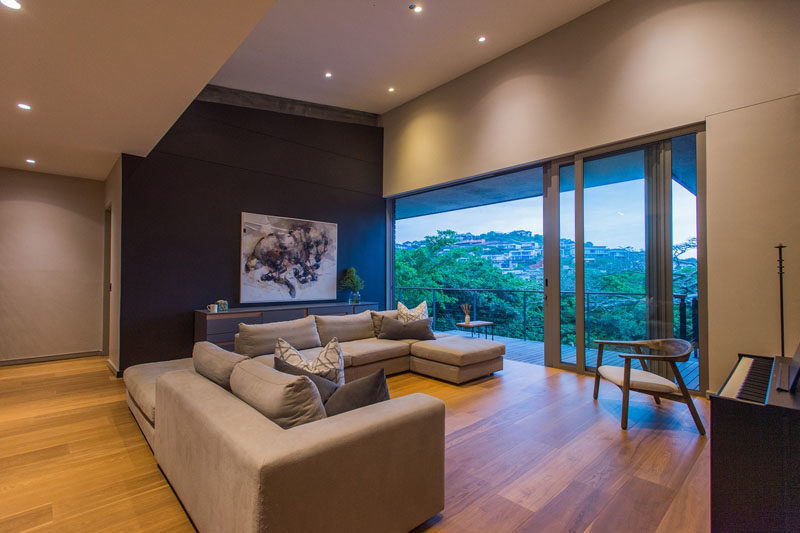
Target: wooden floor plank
[(684, 509), (527, 449), (28, 519), (638, 506)]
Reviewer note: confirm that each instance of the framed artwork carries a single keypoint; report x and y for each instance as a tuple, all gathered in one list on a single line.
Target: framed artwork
[(287, 259)]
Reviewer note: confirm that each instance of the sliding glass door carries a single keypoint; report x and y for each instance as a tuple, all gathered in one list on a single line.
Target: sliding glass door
[(627, 236), (615, 303)]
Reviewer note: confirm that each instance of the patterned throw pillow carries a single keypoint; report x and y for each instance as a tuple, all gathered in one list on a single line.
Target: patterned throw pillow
[(404, 314), (329, 363)]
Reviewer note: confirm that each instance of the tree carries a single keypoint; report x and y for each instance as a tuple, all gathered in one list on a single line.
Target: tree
[(438, 264)]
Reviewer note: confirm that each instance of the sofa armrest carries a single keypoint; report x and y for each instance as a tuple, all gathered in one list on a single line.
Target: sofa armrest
[(380, 467)]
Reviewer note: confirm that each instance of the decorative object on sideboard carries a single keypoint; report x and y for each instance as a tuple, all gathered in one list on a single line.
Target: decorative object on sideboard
[(212, 308), (287, 259), (466, 308), (222, 305), (352, 282)]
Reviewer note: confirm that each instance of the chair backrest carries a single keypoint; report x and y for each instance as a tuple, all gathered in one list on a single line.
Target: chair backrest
[(679, 348)]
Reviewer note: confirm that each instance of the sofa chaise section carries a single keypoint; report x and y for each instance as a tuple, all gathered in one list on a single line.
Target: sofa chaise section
[(140, 382)]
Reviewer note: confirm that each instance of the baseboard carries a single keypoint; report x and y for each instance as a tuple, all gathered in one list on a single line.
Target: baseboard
[(113, 368), (43, 358)]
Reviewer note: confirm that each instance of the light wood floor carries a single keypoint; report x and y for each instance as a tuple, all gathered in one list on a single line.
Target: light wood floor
[(527, 450)]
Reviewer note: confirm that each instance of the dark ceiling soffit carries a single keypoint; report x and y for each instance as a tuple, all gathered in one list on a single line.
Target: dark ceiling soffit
[(224, 95)]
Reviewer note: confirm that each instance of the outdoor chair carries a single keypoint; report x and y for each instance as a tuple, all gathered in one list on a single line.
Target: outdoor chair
[(670, 351)]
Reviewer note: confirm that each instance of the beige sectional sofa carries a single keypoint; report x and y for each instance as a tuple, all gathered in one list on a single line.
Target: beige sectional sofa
[(450, 358), (377, 468)]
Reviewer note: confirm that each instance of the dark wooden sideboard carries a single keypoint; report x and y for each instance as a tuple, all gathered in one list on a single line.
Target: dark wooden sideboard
[(220, 328)]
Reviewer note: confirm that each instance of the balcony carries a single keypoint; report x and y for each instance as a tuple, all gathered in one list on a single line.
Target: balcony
[(519, 321)]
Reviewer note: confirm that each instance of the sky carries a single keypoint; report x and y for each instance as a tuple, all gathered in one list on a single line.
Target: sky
[(613, 216)]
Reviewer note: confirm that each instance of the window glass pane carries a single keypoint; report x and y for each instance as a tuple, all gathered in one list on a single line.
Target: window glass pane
[(566, 185), (452, 252), (614, 252)]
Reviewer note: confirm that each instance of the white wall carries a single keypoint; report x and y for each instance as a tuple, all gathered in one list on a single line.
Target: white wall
[(632, 68), (626, 69), (753, 188), (113, 201), (51, 265)]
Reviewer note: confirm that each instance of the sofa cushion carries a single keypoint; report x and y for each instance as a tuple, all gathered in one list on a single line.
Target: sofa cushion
[(639, 379), (458, 351), (215, 363), (268, 359), (286, 400), (358, 393), (260, 339), (328, 364), (364, 351), (404, 314), (140, 380), (397, 330), (345, 328), (437, 334), (325, 387), (377, 319)]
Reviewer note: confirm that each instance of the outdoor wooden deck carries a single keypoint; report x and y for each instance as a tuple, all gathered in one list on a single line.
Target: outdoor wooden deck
[(533, 352)]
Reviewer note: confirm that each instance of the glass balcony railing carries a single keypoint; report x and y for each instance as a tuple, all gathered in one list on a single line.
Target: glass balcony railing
[(519, 313)]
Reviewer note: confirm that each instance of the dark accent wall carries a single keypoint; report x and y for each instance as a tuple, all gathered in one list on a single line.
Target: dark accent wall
[(182, 204)]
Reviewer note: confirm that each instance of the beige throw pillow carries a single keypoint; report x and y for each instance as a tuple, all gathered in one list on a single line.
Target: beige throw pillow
[(377, 319), (260, 339), (329, 363), (286, 400), (345, 328), (404, 314)]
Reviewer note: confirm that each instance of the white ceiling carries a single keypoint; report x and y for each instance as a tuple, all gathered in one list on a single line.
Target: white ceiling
[(370, 45), (107, 76)]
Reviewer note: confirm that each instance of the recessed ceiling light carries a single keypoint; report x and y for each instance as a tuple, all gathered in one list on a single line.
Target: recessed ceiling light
[(31, 161), (13, 4), (328, 75), (26, 107), (391, 89), (481, 39), (415, 8)]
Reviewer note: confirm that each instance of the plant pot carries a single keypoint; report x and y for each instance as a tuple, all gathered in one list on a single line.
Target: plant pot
[(466, 319), (355, 297)]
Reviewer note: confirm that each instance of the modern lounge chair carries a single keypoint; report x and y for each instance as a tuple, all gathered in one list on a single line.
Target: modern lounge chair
[(671, 351)]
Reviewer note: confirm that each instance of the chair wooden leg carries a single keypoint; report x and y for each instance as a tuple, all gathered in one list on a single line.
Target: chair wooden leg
[(626, 391), (596, 383), (688, 398), (597, 372)]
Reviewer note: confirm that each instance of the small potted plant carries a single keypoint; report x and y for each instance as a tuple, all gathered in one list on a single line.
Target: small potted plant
[(352, 282)]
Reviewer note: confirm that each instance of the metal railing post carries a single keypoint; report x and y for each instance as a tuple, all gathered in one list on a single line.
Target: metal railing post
[(434, 309), (682, 331), (474, 305), (525, 316), (586, 320), (695, 326)]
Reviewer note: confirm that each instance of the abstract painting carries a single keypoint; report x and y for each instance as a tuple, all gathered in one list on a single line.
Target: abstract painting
[(287, 259)]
